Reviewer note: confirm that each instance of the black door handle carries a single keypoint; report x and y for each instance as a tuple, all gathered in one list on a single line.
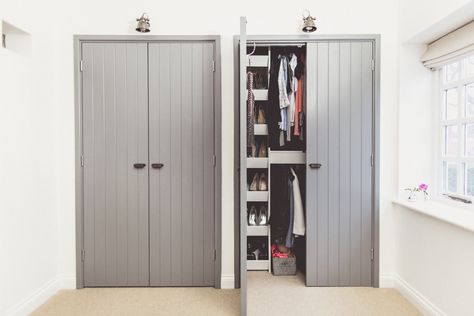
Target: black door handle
[(139, 165), (157, 165), (315, 165)]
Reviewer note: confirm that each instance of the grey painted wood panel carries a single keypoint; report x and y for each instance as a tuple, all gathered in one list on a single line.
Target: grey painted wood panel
[(322, 144), (339, 194), (356, 160), (208, 166), (187, 164), (115, 194), (181, 92), (333, 162), (366, 168), (242, 45), (311, 157), (344, 164)]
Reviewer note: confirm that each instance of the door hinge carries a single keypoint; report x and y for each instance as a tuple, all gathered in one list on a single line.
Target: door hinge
[(82, 160), (81, 65), (214, 160), (372, 160), (373, 65), (215, 254), (83, 255), (213, 65), (372, 254)]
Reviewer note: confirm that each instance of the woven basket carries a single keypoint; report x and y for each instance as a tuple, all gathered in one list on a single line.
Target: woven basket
[(284, 266)]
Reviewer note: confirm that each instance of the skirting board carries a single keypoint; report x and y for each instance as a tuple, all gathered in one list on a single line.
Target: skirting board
[(227, 281), (411, 294), (41, 295), (386, 280)]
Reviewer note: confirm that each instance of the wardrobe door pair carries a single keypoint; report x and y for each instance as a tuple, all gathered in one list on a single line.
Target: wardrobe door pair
[(340, 140), (148, 146), (115, 149)]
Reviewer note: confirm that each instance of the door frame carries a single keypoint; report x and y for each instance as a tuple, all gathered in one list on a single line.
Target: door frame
[(241, 234), (79, 192)]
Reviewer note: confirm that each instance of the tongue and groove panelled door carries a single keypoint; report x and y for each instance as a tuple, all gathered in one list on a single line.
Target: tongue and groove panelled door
[(339, 156), (115, 137), (181, 89), (148, 146)]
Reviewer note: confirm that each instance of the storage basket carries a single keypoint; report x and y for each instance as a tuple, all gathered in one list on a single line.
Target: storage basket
[(284, 266)]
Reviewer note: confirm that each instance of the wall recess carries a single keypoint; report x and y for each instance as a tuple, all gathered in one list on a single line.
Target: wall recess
[(15, 39)]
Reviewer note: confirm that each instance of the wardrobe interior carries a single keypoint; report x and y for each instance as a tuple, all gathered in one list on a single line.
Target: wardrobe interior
[(276, 158)]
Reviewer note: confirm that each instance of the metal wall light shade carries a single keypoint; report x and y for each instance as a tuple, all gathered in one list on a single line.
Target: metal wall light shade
[(143, 25), (308, 22)]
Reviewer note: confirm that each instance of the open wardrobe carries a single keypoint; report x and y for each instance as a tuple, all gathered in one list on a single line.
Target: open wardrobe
[(307, 159)]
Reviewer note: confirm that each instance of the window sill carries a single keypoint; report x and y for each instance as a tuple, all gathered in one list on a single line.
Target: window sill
[(454, 215)]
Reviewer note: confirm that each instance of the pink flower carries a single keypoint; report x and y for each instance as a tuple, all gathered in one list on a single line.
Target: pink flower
[(423, 187)]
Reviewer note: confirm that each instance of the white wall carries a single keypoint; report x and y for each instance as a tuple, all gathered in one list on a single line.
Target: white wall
[(28, 212), (433, 259), (426, 20), (416, 119)]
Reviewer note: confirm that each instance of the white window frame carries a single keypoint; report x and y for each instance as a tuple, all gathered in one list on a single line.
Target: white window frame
[(441, 88)]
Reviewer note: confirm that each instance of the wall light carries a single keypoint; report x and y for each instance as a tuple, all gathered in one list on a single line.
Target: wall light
[(308, 22), (143, 25)]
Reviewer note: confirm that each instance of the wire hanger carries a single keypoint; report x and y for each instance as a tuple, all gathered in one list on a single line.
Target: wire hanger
[(251, 53)]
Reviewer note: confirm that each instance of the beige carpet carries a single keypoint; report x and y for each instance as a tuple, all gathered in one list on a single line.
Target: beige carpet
[(142, 301), (267, 295), (275, 296)]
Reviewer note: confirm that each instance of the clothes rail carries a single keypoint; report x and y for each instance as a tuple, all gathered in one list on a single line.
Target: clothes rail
[(265, 44)]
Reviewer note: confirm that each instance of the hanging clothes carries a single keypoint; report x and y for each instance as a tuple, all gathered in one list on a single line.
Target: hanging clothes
[(299, 226), (286, 128), (250, 111), (290, 238), (291, 95), (284, 97), (300, 110), (273, 108), (280, 215)]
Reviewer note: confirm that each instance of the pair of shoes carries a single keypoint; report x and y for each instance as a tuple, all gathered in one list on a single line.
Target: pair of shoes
[(261, 116), (260, 253), (254, 255), (259, 149), (263, 255), (250, 254), (262, 149), (259, 182), (261, 219)]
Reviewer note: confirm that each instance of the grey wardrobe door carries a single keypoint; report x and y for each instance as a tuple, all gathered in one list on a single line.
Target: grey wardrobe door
[(115, 137), (181, 122), (339, 137)]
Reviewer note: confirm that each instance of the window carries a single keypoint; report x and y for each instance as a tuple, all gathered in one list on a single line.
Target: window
[(457, 124)]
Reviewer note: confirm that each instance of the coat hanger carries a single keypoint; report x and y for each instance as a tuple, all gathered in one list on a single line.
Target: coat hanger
[(291, 176), (252, 52)]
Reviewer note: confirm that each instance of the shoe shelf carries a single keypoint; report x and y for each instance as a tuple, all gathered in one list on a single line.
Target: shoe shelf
[(260, 94), (257, 196), (286, 157), (258, 265), (257, 61), (257, 163), (257, 230), (260, 129)]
